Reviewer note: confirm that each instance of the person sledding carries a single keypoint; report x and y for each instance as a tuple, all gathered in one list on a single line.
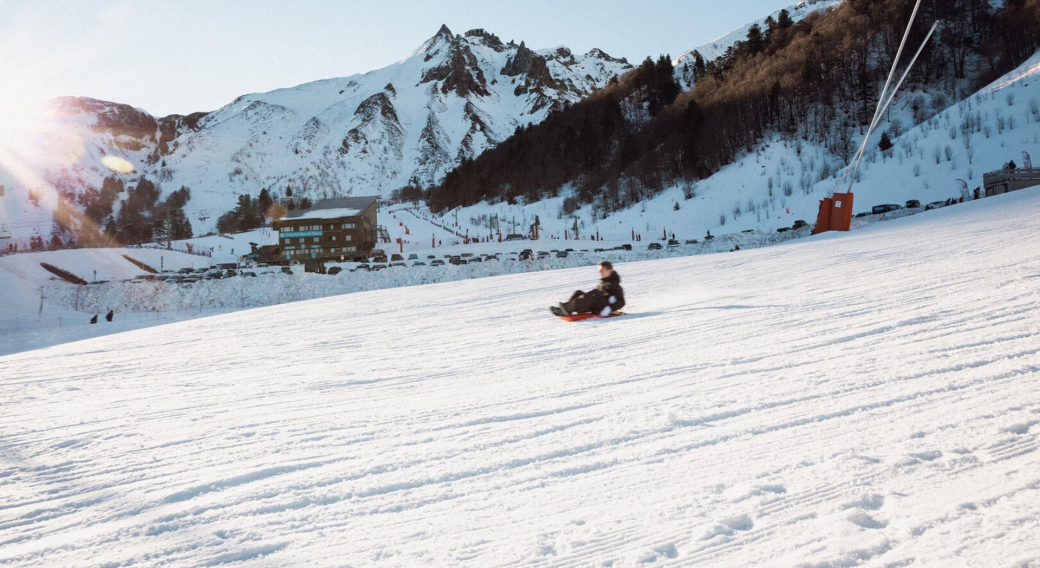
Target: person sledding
[(603, 301)]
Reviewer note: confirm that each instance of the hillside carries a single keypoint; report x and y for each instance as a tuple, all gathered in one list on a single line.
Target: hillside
[(685, 64), (449, 100), (782, 180), (865, 399), (812, 82)]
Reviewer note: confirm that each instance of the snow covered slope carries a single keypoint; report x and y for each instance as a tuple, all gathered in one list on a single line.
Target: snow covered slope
[(862, 399), (366, 134), (783, 180), (684, 63)]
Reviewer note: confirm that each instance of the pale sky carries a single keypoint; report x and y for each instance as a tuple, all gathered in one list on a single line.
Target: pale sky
[(185, 55)]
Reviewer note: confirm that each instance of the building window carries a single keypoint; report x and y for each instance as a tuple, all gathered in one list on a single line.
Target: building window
[(349, 249), (333, 238), (348, 237), (315, 239), (349, 225)]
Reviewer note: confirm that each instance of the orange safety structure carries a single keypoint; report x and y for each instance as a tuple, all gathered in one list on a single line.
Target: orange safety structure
[(835, 213)]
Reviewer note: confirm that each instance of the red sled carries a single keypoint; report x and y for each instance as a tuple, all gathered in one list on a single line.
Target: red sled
[(585, 316)]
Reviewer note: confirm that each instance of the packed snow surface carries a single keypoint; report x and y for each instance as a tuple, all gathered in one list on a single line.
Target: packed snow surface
[(860, 399)]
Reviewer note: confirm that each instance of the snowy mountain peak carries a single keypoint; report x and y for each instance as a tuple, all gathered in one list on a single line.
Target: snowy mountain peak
[(371, 133)]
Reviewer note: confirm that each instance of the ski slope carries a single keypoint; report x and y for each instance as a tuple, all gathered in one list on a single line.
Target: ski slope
[(859, 399)]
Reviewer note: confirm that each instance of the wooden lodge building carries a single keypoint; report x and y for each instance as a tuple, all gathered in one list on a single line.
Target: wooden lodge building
[(342, 228)]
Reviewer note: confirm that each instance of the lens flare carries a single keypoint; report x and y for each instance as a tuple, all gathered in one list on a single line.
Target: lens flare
[(117, 164)]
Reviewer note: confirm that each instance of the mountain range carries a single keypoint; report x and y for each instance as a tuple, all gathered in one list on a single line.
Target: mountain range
[(367, 134)]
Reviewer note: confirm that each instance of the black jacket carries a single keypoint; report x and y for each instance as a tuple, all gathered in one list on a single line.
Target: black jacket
[(611, 286)]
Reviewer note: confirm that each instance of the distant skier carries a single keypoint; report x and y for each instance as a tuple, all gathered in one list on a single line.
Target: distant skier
[(93, 320), (607, 298), (978, 192), (1012, 165), (108, 316)]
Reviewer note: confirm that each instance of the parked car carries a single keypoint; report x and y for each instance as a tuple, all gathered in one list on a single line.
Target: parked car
[(691, 241), (378, 267), (456, 260), (230, 273), (798, 225), (380, 258), (262, 265), (466, 254), (431, 256), (413, 256), (363, 266), (287, 270), (315, 266), (913, 204), (655, 246), (880, 209), (561, 254), (396, 257), (526, 255), (514, 237), (436, 262), (934, 205), (334, 271), (672, 243), (186, 271), (543, 254), (418, 263), (625, 247), (476, 259), (213, 276)]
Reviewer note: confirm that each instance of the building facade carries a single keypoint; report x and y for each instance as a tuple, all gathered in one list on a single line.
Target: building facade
[(1003, 181), (335, 229)]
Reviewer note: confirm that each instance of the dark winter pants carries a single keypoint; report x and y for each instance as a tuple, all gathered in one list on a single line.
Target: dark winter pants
[(582, 302)]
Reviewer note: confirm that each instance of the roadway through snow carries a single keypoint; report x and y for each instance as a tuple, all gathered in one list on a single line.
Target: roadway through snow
[(866, 399)]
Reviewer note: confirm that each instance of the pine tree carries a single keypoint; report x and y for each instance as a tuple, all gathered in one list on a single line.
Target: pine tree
[(756, 42), (885, 144), (783, 20), (264, 202)]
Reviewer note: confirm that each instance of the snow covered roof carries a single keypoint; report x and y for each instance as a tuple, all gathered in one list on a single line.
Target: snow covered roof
[(335, 207)]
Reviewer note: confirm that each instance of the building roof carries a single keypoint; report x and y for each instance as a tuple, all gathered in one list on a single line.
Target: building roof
[(334, 208)]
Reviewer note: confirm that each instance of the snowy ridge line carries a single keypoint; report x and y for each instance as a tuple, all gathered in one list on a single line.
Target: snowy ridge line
[(853, 399)]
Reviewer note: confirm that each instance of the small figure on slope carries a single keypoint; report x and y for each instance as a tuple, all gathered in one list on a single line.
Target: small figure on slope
[(606, 299)]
